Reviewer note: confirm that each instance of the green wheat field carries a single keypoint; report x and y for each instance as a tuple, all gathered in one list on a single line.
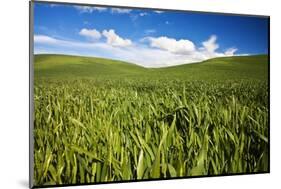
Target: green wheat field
[(100, 120)]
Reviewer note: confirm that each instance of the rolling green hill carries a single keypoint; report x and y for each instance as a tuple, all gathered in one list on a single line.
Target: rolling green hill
[(62, 66), (244, 67), (69, 66)]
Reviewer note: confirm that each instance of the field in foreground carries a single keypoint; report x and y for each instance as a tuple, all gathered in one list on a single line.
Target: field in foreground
[(98, 120)]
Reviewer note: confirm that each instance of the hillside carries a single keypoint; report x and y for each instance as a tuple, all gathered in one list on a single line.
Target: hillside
[(240, 67), (62, 66), (75, 66)]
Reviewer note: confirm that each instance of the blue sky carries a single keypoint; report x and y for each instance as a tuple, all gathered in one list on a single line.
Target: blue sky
[(146, 37)]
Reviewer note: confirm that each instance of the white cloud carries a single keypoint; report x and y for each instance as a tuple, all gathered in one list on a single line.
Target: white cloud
[(90, 9), (209, 49), (150, 57), (47, 40), (115, 40), (181, 46), (159, 52), (44, 39), (159, 12), (87, 9), (230, 51), (90, 33), (121, 10), (210, 45), (112, 38), (100, 9)]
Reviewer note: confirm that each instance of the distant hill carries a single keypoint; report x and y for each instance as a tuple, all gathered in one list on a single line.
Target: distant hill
[(76, 66), (236, 67), (64, 66)]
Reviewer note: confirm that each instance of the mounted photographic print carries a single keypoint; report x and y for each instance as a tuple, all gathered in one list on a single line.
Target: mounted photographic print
[(122, 94)]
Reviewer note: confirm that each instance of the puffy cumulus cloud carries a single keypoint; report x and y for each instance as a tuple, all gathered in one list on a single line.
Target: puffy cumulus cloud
[(115, 40), (90, 33), (112, 38), (210, 45), (87, 9), (209, 49), (120, 10), (230, 51), (182, 46)]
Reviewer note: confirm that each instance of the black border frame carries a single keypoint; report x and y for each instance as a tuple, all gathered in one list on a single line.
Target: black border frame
[(31, 54), (31, 100)]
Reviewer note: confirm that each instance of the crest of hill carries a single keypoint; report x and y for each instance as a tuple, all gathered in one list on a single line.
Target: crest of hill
[(236, 67)]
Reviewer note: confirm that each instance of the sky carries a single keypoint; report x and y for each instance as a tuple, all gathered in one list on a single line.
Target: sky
[(150, 38)]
